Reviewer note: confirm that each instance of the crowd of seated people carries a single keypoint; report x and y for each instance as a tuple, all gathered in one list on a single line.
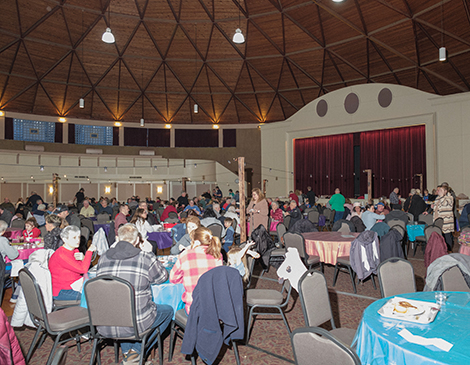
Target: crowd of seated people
[(198, 249)]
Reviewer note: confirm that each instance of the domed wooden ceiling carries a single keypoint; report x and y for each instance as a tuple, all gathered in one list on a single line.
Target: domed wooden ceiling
[(171, 54)]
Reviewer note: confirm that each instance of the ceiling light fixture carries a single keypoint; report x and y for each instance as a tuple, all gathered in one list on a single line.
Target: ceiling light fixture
[(117, 123), (62, 120), (196, 109), (41, 168), (2, 113), (338, 1), (167, 126), (238, 37), (81, 102), (442, 54), (442, 50), (215, 126), (142, 122), (108, 36)]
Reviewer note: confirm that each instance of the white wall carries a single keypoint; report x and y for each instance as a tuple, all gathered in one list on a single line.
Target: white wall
[(447, 120), (126, 176)]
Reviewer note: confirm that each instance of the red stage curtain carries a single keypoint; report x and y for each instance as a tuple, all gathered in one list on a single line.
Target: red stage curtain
[(395, 157), (325, 163)]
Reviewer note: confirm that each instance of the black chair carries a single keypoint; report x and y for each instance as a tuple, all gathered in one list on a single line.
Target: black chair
[(102, 293), (57, 323)]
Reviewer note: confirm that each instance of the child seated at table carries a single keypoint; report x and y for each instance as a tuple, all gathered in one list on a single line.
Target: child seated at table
[(31, 229), (236, 258), (229, 232)]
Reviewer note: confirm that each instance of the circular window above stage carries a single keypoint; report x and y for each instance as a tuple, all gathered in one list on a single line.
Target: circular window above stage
[(322, 108), (385, 97), (351, 103)]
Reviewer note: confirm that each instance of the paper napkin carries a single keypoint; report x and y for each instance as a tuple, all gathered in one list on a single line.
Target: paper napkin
[(438, 342)]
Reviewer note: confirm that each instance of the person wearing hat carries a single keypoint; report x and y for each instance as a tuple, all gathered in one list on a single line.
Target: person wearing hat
[(63, 212), (380, 208), (357, 210)]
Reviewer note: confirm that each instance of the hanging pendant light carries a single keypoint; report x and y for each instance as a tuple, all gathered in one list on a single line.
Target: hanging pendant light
[(196, 108), (238, 37), (142, 122), (108, 36), (81, 103)]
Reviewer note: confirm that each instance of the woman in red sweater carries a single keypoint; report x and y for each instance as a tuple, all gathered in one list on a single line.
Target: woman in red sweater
[(67, 264), (31, 229)]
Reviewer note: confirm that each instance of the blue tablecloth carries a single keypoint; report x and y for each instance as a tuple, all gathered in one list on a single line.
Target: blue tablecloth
[(377, 340), (414, 230)]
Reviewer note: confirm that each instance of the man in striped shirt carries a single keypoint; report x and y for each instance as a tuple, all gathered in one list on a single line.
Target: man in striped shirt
[(141, 269)]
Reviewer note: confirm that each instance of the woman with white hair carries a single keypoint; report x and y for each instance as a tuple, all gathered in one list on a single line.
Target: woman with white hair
[(68, 265)]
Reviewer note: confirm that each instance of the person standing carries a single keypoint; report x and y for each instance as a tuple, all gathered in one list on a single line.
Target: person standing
[(258, 210), (443, 208), (337, 204), (80, 196), (395, 199), (311, 196)]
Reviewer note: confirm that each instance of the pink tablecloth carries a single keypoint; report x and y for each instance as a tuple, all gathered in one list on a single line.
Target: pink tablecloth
[(24, 253), (464, 250), (328, 245)]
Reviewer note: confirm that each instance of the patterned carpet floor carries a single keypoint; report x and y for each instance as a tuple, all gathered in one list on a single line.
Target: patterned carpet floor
[(269, 342)]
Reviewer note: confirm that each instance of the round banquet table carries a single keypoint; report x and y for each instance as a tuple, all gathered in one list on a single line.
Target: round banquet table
[(329, 245), (377, 340)]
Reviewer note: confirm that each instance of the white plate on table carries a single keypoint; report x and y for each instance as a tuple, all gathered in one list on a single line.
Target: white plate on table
[(410, 310)]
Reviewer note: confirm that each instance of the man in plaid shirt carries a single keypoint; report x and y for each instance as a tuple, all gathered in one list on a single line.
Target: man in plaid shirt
[(141, 269)]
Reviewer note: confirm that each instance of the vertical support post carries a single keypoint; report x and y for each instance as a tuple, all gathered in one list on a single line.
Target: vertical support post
[(420, 182), (264, 186), (55, 187), (369, 183), (241, 189), (183, 184)]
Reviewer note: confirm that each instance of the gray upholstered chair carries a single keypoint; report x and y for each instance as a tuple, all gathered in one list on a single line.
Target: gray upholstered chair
[(267, 299), (281, 229), (317, 346), (173, 215), (58, 323), (396, 276), (427, 234), (453, 280), (316, 307), (171, 220), (297, 241), (102, 217), (396, 222), (18, 223), (102, 293), (216, 230), (313, 217), (427, 219), (411, 217)]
